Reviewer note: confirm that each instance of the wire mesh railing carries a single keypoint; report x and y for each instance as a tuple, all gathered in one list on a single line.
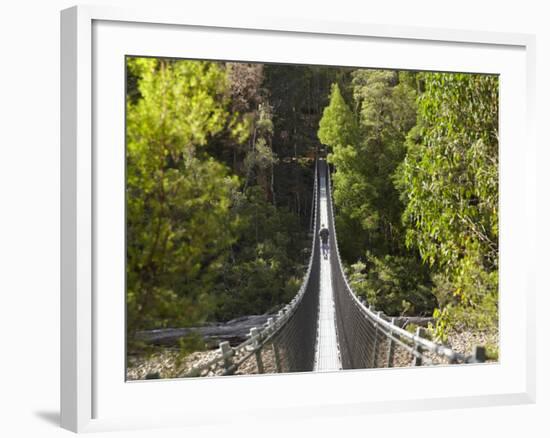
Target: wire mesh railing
[(371, 339), (286, 343), (366, 338)]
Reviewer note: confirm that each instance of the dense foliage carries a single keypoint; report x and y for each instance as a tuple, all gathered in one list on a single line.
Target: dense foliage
[(178, 199), (449, 181), (415, 159), (219, 181), (366, 147)]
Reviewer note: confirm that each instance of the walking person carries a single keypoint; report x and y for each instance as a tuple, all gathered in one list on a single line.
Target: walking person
[(323, 234)]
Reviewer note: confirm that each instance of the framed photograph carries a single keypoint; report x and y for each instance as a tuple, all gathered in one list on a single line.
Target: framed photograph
[(327, 217)]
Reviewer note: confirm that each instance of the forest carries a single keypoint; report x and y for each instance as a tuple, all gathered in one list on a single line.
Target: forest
[(415, 157), (219, 173)]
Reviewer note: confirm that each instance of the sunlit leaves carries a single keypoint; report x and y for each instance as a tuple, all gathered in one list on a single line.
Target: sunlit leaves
[(449, 183), (449, 177), (178, 199), (425, 183), (202, 243), (338, 126), (366, 147)]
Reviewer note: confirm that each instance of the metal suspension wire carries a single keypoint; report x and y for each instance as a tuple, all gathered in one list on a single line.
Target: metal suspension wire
[(366, 338), (285, 343), (370, 339)]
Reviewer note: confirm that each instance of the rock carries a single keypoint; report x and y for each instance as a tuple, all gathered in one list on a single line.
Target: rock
[(234, 331), (403, 321)]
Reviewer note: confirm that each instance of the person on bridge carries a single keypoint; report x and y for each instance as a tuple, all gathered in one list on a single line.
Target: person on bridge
[(323, 234)]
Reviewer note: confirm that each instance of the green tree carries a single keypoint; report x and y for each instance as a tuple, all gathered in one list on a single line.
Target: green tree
[(366, 149), (449, 182), (387, 110), (338, 126), (339, 130), (266, 262), (395, 284), (178, 198)]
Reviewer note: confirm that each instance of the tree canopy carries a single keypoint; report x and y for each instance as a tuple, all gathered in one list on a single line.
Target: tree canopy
[(219, 166), (415, 159), (219, 175), (178, 199)]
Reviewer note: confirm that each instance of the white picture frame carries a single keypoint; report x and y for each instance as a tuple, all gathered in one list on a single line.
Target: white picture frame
[(90, 36)]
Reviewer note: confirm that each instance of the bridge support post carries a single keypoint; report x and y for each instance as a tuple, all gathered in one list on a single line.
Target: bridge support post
[(390, 347), (227, 354), (271, 327), (255, 335), (417, 360), (277, 358), (479, 355), (375, 342)]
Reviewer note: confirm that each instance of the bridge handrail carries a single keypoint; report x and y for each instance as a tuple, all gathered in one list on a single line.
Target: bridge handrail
[(378, 317), (255, 342)]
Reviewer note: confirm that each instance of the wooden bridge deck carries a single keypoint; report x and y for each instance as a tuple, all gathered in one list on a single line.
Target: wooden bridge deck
[(327, 356)]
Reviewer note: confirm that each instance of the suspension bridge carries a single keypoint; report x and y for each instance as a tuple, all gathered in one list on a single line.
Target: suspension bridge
[(326, 327)]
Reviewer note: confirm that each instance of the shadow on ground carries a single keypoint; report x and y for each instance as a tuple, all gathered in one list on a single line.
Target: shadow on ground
[(51, 417)]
